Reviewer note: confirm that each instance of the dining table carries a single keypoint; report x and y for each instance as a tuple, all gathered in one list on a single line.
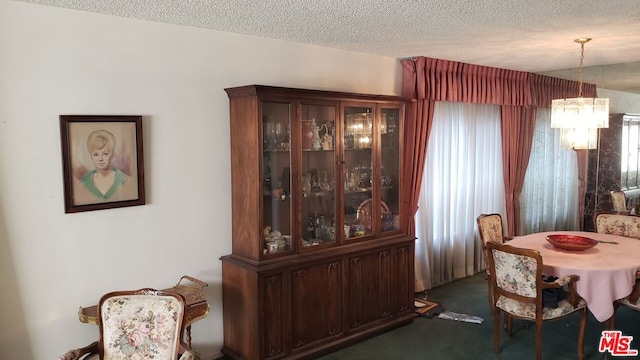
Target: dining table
[(607, 271)]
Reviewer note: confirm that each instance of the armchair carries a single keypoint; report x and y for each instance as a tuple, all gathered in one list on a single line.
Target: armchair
[(140, 324), (490, 229), (618, 224), (632, 301), (516, 282), (618, 201)]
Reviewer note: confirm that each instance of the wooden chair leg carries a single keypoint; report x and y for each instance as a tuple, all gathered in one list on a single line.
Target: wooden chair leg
[(496, 330), (610, 324), (490, 293), (538, 339), (583, 326)]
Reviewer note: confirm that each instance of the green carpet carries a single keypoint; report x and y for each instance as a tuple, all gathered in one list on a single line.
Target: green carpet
[(436, 339)]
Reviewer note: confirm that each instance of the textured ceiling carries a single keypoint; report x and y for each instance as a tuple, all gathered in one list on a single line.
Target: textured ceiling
[(526, 35)]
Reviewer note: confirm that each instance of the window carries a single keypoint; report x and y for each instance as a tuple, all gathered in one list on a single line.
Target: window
[(630, 153), (549, 199)]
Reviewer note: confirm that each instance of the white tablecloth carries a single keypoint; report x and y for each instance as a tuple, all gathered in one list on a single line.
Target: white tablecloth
[(607, 271)]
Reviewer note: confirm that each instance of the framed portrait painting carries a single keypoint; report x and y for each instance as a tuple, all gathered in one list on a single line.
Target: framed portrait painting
[(102, 161)]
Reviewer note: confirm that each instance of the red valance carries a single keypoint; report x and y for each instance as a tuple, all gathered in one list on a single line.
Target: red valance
[(460, 82), (546, 88)]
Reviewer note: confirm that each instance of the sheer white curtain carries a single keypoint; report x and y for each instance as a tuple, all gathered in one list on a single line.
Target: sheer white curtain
[(549, 199), (462, 179)]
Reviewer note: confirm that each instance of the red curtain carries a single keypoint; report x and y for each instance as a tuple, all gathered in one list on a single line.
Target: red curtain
[(517, 124), (416, 134), (519, 93)]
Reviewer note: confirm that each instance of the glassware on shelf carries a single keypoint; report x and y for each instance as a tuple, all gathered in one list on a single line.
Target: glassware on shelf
[(315, 140), (270, 136), (306, 184), (279, 134), (323, 183), (327, 137), (307, 135), (353, 180)]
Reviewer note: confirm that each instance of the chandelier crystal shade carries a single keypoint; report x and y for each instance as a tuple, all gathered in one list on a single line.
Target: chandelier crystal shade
[(579, 138), (580, 118), (580, 112)]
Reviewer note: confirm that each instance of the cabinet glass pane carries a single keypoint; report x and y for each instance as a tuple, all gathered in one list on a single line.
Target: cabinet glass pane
[(276, 177), (390, 169), (358, 171), (318, 175)]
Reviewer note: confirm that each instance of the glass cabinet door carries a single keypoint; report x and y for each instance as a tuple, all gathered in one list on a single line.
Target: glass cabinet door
[(318, 174), (358, 143), (276, 177), (390, 168)]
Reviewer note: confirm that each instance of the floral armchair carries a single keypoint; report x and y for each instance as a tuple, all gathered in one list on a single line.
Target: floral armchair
[(618, 224), (140, 324), (517, 287), (490, 229), (619, 201), (632, 301)]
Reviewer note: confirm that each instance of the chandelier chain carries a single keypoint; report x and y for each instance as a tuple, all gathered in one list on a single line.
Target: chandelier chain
[(581, 74)]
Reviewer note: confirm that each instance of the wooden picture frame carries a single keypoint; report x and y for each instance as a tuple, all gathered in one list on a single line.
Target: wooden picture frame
[(102, 161)]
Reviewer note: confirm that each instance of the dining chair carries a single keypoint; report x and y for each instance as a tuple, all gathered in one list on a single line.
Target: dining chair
[(632, 301), (618, 224), (142, 324), (490, 229), (618, 201), (517, 286)]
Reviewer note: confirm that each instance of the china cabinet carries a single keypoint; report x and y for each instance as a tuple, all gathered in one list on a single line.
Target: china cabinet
[(321, 255)]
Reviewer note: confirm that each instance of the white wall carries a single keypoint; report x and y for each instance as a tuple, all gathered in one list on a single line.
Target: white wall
[(55, 61)]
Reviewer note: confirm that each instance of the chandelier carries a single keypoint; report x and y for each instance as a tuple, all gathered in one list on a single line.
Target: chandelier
[(580, 118)]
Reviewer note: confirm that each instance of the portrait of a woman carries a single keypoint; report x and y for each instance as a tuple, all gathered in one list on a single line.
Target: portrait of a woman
[(104, 180), (104, 169)]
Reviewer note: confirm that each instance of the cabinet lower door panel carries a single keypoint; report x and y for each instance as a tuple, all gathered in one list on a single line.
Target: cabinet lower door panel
[(273, 315), (370, 295), (405, 278), (316, 303)]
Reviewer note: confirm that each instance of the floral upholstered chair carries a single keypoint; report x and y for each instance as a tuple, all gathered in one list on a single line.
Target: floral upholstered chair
[(142, 324), (618, 224), (632, 301), (516, 282), (619, 201), (490, 229)]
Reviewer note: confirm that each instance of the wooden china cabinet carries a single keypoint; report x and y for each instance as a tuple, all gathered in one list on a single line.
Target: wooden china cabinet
[(321, 256)]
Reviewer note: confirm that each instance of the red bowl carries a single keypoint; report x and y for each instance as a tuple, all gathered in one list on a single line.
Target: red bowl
[(571, 242)]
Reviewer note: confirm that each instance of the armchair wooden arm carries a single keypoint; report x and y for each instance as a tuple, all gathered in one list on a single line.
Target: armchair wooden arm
[(570, 282), (77, 354)]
